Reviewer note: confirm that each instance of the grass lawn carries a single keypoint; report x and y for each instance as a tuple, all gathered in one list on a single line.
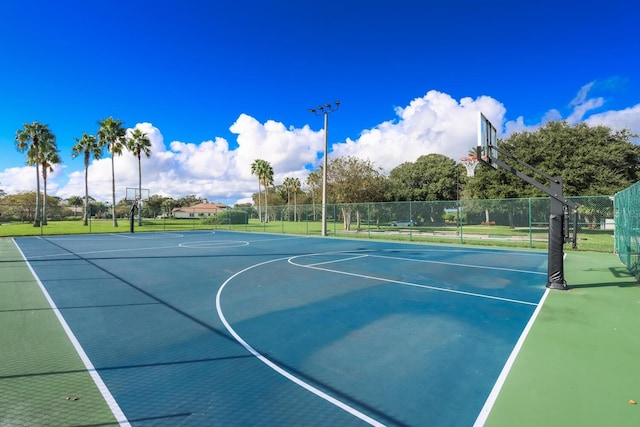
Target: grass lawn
[(503, 236)]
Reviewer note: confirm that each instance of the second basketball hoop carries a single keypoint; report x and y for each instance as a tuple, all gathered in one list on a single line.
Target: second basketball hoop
[(470, 162)]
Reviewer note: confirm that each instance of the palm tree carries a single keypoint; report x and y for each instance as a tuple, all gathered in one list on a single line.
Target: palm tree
[(264, 172), (89, 147), (75, 201), (267, 180), (314, 183), (28, 140), (48, 155), (286, 185), (112, 135), (139, 143), (295, 188), (256, 169)]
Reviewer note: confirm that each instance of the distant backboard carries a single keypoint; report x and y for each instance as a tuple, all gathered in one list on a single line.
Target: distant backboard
[(487, 140), (137, 194)]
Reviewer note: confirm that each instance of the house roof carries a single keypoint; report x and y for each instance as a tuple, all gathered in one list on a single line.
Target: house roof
[(202, 208)]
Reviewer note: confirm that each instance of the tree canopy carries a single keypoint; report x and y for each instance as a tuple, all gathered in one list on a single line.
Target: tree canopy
[(591, 160), (35, 140), (351, 180), (87, 146), (430, 177), (112, 135)]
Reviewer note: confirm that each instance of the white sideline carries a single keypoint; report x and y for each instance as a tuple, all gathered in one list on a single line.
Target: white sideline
[(493, 396), (106, 394)]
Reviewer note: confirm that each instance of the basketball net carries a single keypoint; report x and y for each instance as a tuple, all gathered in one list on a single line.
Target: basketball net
[(470, 162)]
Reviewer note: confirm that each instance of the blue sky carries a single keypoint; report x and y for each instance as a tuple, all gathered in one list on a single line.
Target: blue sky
[(217, 84)]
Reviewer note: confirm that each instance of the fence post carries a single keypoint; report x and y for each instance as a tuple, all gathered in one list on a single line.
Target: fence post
[(460, 221), (369, 220), (530, 225), (410, 219)]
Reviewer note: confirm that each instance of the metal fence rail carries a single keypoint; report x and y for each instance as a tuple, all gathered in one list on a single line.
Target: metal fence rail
[(511, 222), (627, 234), (506, 222)]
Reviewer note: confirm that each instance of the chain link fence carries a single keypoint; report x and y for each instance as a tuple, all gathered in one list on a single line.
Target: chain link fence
[(503, 222), (627, 235)]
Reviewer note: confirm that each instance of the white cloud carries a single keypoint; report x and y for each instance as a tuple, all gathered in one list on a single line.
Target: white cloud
[(208, 169), (434, 123), (287, 149), (628, 118), (19, 179), (16, 180)]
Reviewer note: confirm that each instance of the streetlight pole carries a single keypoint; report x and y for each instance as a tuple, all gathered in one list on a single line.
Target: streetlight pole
[(324, 110)]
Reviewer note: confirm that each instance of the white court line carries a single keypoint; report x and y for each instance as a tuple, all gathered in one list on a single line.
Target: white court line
[(468, 251), (106, 394), (338, 260), (104, 251), (417, 285), (148, 235), (277, 368), (280, 238), (486, 267), (495, 391), (155, 235), (221, 244)]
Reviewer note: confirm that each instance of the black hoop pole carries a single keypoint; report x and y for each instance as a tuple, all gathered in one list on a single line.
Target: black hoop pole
[(132, 215), (555, 264)]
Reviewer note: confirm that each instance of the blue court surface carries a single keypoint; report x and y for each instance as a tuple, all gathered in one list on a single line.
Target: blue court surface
[(226, 328)]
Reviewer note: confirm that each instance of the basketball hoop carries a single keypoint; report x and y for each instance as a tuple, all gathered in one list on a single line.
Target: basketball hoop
[(470, 162)]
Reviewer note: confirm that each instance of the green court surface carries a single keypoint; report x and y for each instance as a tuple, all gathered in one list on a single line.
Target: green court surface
[(39, 367), (577, 367)]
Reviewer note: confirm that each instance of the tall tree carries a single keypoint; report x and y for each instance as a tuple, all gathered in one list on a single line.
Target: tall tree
[(267, 180), (153, 206), (139, 143), (48, 156), (287, 186), (292, 186), (112, 135), (314, 183), (352, 180), (295, 188), (88, 146), (255, 170), (263, 170), (167, 205), (430, 177), (590, 160), (28, 141), (75, 201), (189, 200)]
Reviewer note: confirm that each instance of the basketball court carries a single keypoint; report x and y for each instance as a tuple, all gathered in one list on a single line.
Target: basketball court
[(229, 328), (223, 328)]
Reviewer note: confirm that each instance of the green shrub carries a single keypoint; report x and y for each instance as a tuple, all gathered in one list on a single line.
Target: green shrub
[(232, 216)]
